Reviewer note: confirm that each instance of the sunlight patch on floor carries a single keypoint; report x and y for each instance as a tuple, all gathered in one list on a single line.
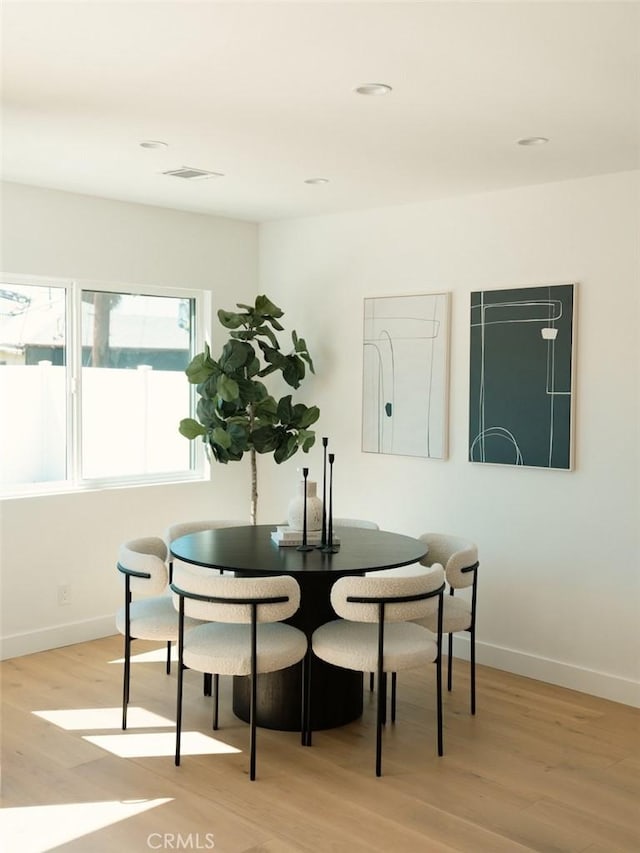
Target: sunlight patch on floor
[(73, 719), (35, 829), (155, 744), (153, 656)]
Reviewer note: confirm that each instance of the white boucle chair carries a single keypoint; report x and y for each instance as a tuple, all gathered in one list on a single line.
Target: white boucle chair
[(459, 556), (460, 560), (183, 528), (142, 562), (377, 633), (243, 634), (367, 525)]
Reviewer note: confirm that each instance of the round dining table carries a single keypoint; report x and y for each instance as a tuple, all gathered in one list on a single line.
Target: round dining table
[(251, 551)]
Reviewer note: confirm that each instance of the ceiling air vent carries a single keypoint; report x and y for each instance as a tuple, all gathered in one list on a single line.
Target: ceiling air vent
[(191, 174)]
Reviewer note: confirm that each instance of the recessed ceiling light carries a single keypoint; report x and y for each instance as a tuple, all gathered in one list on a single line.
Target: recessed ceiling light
[(533, 140), (373, 89), (153, 143), (316, 180)]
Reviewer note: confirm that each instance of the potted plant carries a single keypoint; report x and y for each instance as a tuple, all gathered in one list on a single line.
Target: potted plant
[(236, 413)]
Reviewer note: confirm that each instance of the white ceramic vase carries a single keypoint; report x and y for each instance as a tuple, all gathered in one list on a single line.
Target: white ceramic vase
[(295, 512)]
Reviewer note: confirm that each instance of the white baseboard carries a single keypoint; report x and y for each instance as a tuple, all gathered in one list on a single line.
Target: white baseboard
[(601, 684), (590, 681), (29, 642)]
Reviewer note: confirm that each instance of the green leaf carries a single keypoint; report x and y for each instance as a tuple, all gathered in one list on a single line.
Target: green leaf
[(286, 448), (190, 428), (253, 367), (271, 368), (266, 331), (309, 417), (229, 319), (235, 354), (294, 370), (275, 324), (267, 410), (250, 391), (227, 388), (265, 439), (221, 437), (239, 434), (208, 388), (200, 367), (219, 453), (300, 346), (272, 356), (265, 307), (308, 439), (285, 410), (227, 410), (244, 335), (307, 358), (206, 412)]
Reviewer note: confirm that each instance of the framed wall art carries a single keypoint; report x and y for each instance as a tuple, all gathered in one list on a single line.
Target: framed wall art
[(522, 367), (405, 375)]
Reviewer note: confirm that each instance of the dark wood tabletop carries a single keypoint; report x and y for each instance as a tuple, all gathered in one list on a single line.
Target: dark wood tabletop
[(250, 549)]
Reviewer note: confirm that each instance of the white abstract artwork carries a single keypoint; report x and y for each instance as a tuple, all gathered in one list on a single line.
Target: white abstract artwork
[(405, 375)]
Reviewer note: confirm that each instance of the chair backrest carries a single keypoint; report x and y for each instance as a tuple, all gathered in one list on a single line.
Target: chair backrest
[(355, 522), (455, 554), (234, 596), (183, 528), (144, 561), (388, 589)]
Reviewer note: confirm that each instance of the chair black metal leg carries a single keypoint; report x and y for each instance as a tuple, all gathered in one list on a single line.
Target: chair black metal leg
[(450, 663), (206, 684), (439, 702), (216, 694), (380, 714), (179, 713), (125, 679), (394, 683), (382, 685), (472, 673), (303, 700), (305, 724), (371, 682), (169, 657), (252, 727), (307, 700)]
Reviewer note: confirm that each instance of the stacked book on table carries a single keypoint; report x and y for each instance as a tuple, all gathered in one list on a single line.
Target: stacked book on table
[(285, 536)]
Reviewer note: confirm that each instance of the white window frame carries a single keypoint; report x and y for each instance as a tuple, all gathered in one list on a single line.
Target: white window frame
[(73, 342)]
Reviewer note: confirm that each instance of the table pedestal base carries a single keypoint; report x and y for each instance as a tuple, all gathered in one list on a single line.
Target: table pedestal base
[(337, 697), (336, 692)]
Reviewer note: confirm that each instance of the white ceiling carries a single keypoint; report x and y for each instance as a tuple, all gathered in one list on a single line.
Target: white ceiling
[(263, 92)]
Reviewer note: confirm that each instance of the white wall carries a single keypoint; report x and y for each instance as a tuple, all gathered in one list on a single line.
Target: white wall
[(73, 538), (559, 587)]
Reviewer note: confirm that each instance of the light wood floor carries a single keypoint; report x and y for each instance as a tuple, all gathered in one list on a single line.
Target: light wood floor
[(539, 768)]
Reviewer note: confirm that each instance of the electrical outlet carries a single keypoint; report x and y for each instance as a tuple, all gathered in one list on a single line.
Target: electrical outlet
[(64, 594)]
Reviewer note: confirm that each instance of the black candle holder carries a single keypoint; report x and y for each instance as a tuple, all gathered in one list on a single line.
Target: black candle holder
[(304, 546), (323, 540), (329, 548)]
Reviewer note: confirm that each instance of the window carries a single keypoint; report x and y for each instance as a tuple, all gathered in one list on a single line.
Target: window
[(92, 384)]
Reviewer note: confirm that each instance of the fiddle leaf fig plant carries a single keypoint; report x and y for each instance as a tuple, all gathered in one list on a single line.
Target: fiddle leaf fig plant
[(236, 413)]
